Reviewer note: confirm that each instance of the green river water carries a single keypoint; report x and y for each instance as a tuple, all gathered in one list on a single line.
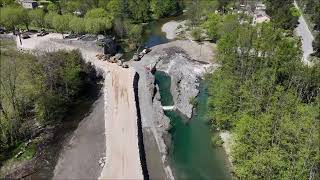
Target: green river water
[(192, 155)]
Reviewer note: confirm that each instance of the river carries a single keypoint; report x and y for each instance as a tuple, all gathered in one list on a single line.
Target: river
[(192, 155)]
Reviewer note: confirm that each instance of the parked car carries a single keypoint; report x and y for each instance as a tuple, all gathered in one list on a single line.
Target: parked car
[(42, 33), (25, 36), (119, 63), (136, 57), (125, 65), (71, 36), (2, 30), (146, 50)]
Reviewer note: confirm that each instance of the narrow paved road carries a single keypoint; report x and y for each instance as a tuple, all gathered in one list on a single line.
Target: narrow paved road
[(306, 37)]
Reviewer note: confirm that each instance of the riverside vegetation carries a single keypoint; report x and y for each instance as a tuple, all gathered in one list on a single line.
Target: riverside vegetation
[(265, 95), (36, 91), (262, 92), (122, 18)]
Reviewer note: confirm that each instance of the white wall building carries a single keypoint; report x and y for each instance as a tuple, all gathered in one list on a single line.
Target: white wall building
[(28, 4)]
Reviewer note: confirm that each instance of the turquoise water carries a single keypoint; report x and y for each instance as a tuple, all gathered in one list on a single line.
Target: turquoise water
[(164, 82), (192, 155)]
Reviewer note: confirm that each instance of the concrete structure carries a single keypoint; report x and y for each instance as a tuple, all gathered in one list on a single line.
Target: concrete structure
[(260, 6), (168, 108)]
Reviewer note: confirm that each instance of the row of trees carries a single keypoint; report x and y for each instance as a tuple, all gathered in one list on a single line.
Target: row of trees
[(95, 21), (270, 100), (122, 18), (37, 90), (283, 13)]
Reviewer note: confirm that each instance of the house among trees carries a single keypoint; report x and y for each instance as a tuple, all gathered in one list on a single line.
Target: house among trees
[(28, 4), (259, 14), (260, 17)]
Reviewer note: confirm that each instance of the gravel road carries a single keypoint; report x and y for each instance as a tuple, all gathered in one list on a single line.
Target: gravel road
[(79, 158)]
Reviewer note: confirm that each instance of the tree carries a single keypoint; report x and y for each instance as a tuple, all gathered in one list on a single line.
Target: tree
[(316, 46), (96, 25), (212, 25), (196, 34), (139, 10), (11, 17), (134, 32), (4, 3), (37, 17), (96, 13), (61, 23), (161, 8), (269, 100), (49, 19), (282, 13), (25, 18), (97, 20), (52, 7), (116, 8), (77, 25), (71, 6), (316, 17)]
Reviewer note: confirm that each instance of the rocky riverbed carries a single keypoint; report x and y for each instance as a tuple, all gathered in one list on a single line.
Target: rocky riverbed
[(185, 73), (186, 62)]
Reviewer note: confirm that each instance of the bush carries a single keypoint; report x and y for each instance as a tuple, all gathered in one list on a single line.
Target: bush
[(193, 101), (196, 34), (216, 140)]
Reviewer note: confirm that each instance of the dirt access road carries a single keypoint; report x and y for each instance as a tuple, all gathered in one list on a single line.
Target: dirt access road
[(123, 161), (120, 120)]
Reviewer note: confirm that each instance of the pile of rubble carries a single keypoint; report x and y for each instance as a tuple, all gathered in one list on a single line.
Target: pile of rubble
[(112, 59)]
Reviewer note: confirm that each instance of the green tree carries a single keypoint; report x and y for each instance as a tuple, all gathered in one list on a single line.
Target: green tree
[(269, 100), (96, 13), (71, 6), (134, 33), (52, 7), (37, 17), (316, 46), (48, 18), (11, 17), (116, 8), (212, 25), (282, 13), (139, 10), (98, 20), (77, 25), (161, 8), (25, 18), (196, 34), (61, 23)]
